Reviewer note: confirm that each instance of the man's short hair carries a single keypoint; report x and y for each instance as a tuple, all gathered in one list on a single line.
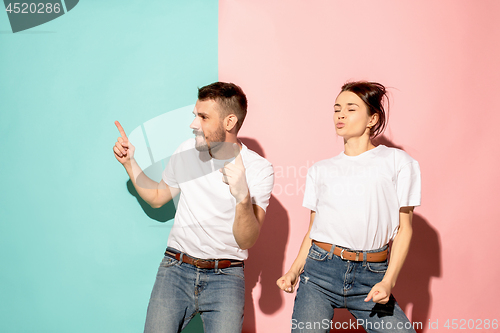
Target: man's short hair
[(230, 98)]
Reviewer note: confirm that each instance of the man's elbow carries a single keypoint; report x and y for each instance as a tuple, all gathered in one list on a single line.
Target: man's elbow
[(155, 205), (246, 245)]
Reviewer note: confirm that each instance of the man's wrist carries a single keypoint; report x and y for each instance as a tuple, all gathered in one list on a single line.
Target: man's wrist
[(244, 199)]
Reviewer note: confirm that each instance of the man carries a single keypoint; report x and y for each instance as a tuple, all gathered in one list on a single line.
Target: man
[(224, 192)]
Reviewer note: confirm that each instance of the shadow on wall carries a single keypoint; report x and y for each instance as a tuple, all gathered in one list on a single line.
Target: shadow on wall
[(423, 262), (265, 259), (162, 214)]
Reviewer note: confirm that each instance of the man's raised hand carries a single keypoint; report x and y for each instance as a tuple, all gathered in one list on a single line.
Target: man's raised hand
[(234, 176), (123, 149)]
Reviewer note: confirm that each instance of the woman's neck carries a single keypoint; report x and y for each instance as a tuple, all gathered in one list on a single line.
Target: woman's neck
[(357, 146)]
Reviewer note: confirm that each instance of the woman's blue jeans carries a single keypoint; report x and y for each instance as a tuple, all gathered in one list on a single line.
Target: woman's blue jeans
[(182, 290), (329, 282)]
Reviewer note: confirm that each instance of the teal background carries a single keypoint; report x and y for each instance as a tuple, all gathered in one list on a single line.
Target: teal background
[(78, 252)]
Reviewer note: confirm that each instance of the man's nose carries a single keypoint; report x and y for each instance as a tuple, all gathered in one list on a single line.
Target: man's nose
[(195, 124)]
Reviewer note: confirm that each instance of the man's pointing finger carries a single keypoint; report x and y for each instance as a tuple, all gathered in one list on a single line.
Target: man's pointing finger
[(120, 129)]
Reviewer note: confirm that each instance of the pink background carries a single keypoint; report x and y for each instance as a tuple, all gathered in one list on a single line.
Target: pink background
[(440, 59)]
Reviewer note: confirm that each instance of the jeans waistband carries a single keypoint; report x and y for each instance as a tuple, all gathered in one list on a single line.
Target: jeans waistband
[(378, 255), (202, 263)]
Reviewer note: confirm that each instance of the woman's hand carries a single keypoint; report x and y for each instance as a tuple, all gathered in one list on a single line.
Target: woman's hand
[(380, 293), (287, 282)]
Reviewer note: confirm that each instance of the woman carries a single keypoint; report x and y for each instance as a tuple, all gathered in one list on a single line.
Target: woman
[(359, 201)]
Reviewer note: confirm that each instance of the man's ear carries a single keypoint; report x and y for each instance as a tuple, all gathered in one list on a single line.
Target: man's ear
[(230, 122)]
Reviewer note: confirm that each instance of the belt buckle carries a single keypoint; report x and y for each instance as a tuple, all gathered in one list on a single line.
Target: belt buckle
[(196, 263), (342, 255)]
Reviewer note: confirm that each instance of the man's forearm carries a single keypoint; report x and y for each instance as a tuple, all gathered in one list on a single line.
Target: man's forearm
[(246, 227), (145, 186)]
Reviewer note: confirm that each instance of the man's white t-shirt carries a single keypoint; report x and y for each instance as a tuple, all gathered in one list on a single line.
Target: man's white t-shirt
[(203, 225), (357, 198)]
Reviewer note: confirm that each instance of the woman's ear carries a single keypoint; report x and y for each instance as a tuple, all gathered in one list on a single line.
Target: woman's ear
[(373, 120)]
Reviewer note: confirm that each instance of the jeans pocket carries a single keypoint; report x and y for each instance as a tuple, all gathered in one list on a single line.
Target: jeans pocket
[(377, 267), (167, 262), (317, 253), (233, 271)]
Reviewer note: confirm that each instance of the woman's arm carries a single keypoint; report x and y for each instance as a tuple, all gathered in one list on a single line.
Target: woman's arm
[(381, 292), (288, 281)]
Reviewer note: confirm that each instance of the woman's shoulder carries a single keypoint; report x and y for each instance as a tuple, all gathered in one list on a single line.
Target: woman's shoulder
[(399, 156)]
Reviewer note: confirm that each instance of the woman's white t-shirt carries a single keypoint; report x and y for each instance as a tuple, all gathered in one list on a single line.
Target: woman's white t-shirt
[(357, 198)]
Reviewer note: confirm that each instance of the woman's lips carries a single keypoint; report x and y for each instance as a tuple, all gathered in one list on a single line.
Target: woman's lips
[(340, 125)]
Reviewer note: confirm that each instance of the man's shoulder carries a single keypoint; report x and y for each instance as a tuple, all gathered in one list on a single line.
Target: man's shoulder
[(254, 160)]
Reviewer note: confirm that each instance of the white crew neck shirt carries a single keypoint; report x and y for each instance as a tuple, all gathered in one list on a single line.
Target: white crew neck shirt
[(357, 198), (203, 225)]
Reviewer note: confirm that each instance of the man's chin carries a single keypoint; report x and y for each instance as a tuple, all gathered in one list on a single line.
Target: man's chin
[(212, 146), (201, 147), (200, 143)]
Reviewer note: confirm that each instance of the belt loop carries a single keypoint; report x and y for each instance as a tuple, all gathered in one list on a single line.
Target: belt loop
[(330, 254), (365, 256), (180, 258), (216, 265)]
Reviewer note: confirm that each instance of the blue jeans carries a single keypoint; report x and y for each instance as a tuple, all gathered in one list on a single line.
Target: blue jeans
[(329, 282), (182, 290)]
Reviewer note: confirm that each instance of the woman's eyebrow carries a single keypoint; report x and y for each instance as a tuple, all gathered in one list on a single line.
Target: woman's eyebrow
[(347, 104)]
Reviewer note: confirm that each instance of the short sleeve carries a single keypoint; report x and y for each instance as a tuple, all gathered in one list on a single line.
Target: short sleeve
[(409, 185), (168, 174), (261, 188), (310, 199)]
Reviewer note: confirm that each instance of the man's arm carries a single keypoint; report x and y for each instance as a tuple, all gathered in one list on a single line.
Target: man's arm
[(381, 292), (248, 217), (247, 223), (155, 194)]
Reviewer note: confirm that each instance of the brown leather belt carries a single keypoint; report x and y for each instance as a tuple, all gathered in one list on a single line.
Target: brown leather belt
[(353, 256), (205, 263)]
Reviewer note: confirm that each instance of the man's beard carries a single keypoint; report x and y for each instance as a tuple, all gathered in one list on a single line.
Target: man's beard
[(211, 142)]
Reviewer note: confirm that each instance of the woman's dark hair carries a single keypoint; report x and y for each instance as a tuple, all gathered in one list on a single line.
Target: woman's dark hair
[(230, 97), (374, 95)]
